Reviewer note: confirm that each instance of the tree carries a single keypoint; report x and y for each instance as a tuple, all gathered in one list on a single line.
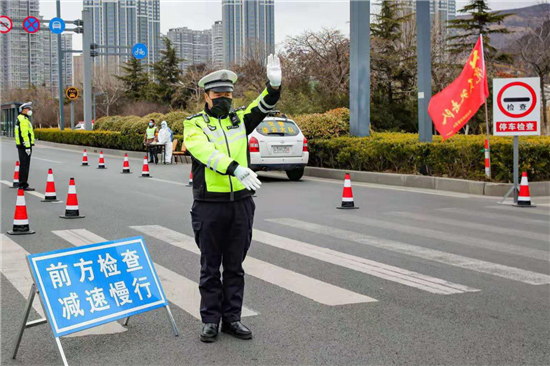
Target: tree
[(481, 21), (393, 67), (112, 89), (533, 48), (316, 72), (167, 73), (135, 79)]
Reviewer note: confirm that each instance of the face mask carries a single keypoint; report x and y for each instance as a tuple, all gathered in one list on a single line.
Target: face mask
[(150, 125), (29, 113), (221, 106)]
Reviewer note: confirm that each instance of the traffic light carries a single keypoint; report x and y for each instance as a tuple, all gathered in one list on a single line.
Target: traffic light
[(93, 48), (78, 30), (78, 23)]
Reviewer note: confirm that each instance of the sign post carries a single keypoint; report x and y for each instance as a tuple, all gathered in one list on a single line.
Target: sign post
[(72, 95), (516, 112), (84, 287)]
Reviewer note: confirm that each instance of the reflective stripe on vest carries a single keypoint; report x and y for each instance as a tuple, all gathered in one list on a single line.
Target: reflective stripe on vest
[(151, 132)]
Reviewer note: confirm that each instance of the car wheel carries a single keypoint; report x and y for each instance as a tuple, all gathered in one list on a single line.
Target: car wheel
[(295, 174)]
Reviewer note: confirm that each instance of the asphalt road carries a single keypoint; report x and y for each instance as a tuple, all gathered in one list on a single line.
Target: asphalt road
[(413, 277)]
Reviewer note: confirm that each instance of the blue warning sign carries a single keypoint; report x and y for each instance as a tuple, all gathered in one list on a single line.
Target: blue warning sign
[(96, 284)]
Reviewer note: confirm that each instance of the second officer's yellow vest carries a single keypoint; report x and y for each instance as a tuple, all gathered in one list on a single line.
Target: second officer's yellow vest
[(151, 132)]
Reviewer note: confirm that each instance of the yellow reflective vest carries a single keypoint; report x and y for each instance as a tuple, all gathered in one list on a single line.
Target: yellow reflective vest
[(219, 145), (150, 133), (24, 134)]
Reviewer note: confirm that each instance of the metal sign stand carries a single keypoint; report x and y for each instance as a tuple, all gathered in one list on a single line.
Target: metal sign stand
[(25, 324), (514, 188)]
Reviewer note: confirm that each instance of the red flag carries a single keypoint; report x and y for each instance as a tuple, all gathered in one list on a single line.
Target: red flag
[(454, 106)]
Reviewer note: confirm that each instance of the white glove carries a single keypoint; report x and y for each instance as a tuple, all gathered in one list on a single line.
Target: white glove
[(28, 151), (248, 178), (274, 73)]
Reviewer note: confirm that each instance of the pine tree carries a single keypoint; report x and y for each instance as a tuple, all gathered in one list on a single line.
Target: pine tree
[(135, 79), (167, 73), (393, 65), (481, 21)]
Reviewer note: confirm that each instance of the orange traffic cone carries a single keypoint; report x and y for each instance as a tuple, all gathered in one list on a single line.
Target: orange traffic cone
[(16, 176), (71, 209), (85, 158), (145, 169), (50, 195), (190, 184), (524, 198), (101, 164), (126, 165), (20, 219), (347, 195)]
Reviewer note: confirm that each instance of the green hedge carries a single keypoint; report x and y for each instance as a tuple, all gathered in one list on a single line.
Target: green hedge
[(458, 157), (101, 139)]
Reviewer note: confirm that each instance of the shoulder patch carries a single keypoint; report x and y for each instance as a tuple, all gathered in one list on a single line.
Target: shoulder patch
[(194, 116)]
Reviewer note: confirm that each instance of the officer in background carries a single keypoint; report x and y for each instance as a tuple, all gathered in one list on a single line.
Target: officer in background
[(24, 140), (150, 137), (223, 210)]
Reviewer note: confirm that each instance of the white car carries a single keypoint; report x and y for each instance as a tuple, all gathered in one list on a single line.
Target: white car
[(278, 144)]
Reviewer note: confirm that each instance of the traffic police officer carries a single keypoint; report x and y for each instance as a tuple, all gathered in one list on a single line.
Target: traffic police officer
[(223, 210), (24, 140)]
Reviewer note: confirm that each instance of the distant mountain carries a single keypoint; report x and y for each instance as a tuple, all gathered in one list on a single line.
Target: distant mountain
[(518, 23)]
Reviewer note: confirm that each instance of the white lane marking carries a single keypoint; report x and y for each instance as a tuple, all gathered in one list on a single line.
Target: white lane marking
[(477, 265), (376, 269), (527, 211), (311, 288), (169, 181), (14, 266), (449, 237), (48, 160), (34, 193), (472, 225), (179, 290), (382, 186), (489, 215), (91, 152)]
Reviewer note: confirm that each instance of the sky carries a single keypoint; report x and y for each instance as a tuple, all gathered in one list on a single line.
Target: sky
[(291, 17)]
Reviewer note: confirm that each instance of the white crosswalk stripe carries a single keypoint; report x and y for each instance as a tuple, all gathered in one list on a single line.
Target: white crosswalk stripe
[(179, 290), (311, 288), (376, 269), (14, 266), (524, 234), (477, 265), (449, 237), (511, 218)]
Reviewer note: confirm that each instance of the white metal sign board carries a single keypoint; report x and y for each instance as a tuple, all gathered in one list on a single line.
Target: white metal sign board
[(516, 107)]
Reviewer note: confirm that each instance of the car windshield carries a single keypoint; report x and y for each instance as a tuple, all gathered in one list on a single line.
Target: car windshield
[(278, 128)]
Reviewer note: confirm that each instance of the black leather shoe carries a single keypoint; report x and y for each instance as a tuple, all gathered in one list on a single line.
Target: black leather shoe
[(237, 329), (209, 332), (29, 189)]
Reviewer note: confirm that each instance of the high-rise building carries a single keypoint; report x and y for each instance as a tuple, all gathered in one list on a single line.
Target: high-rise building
[(444, 9), (125, 23), (248, 30), (193, 47), (30, 59), (21, 52), (49, 66), (217, 44)]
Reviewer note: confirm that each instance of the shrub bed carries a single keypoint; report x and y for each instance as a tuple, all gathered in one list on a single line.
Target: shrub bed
[(459, 157), (101, 139)]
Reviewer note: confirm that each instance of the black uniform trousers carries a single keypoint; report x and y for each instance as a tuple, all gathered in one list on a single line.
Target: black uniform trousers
[(223, 232), (24, 166)]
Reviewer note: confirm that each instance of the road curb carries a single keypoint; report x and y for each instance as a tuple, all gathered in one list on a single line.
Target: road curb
[(537, 189)]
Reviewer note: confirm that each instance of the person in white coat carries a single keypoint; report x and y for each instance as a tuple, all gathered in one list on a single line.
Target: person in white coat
[(165, 137)]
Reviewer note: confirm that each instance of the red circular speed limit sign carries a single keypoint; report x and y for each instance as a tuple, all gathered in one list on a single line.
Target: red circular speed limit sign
[(5, 24), (517, 94)]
